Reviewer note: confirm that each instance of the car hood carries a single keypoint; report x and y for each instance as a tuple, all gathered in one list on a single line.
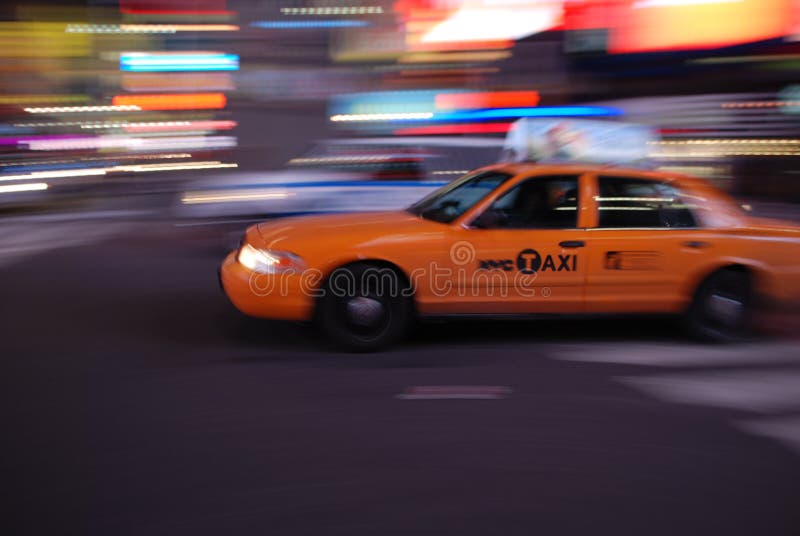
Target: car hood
[(318, 231)]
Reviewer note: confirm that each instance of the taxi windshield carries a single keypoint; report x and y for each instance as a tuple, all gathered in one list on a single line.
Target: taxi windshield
[(453, 200)]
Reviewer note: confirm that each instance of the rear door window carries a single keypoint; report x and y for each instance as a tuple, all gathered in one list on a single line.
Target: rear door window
[(626, 202)]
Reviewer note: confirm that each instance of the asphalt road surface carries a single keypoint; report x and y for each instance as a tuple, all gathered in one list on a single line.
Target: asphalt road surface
[(137, 401)]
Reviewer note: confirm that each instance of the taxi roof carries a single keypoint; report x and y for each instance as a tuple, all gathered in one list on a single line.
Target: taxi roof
[(546, 168)]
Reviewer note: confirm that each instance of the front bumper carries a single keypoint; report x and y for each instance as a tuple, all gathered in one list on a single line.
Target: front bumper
[(276, 296)]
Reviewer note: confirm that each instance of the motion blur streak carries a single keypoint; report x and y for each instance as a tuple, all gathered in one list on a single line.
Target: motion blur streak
[(10, 188), (77, 144), (78, 160), (487, 20), (544, 111), (446, 57), (167, 61), (177, 126), (337, 10), (188, 101), (309, 24), (39, 99), (146, 168), (175, 8), (53, 174), (182, 142), (42, 41), (406, 116), (148, 28), (219, 196), (82, 109), (187, 81), (138, 168), (493, 99), (468, 128), (762, 104)]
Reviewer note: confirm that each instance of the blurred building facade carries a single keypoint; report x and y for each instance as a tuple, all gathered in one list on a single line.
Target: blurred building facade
[(132, 90)]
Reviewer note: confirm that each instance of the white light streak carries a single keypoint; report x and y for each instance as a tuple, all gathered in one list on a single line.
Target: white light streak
[(452, 172), (37, 175), (220, 196), (340, 10), (485, 22), (147, 168), (32, 187), (134, 143), (135, 168), (637, 199), (148, 28), (339, 159), (382, 117), (81, 109)]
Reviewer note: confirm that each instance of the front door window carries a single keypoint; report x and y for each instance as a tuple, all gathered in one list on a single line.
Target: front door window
[(539, 203), (528, 254)]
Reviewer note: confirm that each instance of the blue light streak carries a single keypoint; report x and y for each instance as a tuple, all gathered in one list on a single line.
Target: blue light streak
[(142, 62), (541, 111), (307, 24)]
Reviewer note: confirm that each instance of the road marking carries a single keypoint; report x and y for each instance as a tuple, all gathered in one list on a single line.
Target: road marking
[(786, 430), (752, 389), (682, 355), (455, 392), (742, 390)]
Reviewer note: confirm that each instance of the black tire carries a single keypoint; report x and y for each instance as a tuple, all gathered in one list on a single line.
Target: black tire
[(721, 310), (365, 307)]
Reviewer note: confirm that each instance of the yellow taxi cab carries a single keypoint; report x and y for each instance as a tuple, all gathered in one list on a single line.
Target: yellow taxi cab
[(522, 238)]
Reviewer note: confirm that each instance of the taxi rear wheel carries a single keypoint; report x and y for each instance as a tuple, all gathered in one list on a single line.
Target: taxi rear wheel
[(721, 308), (365, 307)]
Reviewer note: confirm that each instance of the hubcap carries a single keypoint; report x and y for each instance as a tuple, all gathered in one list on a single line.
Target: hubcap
[(365, 312), (727, 311)]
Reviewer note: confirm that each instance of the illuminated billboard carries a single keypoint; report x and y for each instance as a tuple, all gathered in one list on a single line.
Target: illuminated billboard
[(630, 26)]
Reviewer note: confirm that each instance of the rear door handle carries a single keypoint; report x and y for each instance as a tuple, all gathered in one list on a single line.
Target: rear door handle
[(572, 244)]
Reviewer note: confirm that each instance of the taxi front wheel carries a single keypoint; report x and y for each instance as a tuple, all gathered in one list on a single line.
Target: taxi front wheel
[(721, 308), (365, 307)]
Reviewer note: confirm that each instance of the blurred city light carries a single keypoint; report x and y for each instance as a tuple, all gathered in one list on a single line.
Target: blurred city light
[(198, 61), (495, 20), (182, 101), (12, 188), (332, 10), (148, 28), (309, 24), (175, 7), (663, 25), (125, 87)]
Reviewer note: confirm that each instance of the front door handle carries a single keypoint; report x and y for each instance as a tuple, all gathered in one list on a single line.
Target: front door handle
[(572, 244), (697, 244)]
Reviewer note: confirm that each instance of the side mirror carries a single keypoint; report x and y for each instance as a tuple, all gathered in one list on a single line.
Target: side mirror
[(490, 219)]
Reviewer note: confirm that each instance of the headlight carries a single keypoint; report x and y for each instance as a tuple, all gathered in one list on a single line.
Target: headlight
[(267, 261)]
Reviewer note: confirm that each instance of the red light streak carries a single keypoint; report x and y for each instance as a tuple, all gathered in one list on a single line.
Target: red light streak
[(488, 99), (467, 128)]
